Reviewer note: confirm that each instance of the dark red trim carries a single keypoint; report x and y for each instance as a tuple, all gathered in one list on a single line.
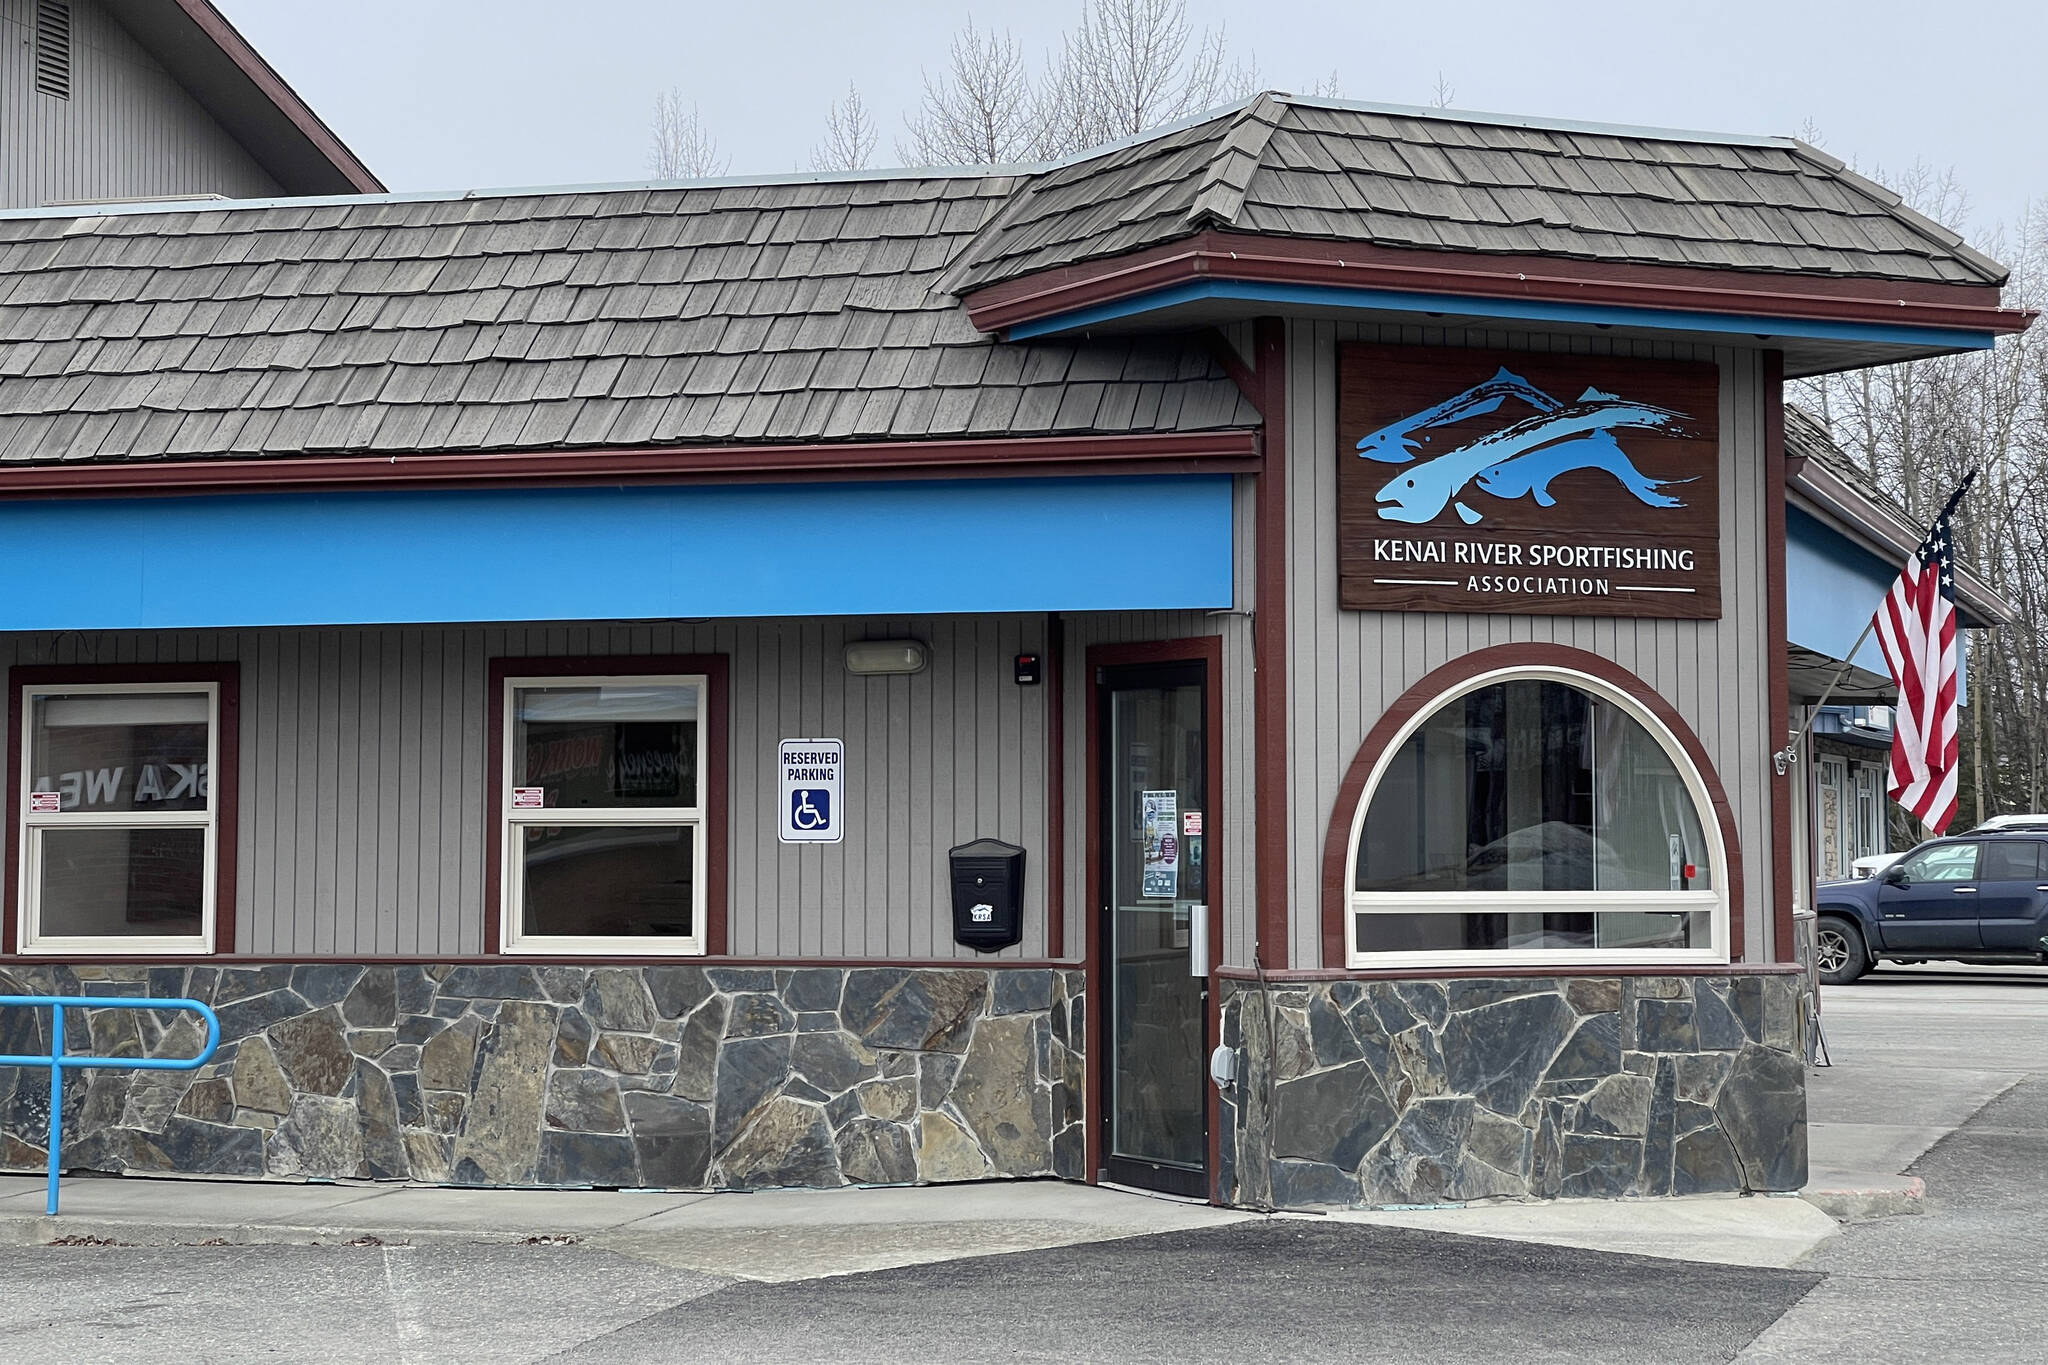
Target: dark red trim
[(226, 777), (1337, 837), (535, 960), (1356, 265), (717, 784), (1777, 643), (1208, 452), (1206, 650), (1269, 653), (264, 77), (1241, 374), (1055, 672), (1509, 973)]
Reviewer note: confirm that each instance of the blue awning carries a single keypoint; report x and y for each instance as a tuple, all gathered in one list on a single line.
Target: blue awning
[(878, 548), (1832, 588)]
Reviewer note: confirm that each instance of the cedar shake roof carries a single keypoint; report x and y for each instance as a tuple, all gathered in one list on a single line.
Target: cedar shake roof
[(790, 312), (819, 309), (1440, 179)]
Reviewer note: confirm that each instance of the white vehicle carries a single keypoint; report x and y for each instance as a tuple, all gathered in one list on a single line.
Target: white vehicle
[(1863, 869), (2036, 821)]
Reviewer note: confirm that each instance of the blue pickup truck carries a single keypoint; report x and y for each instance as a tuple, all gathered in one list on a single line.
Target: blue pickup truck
[(1980, 897)]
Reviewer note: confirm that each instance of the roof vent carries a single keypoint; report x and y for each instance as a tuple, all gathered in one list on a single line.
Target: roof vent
[(53, 48)]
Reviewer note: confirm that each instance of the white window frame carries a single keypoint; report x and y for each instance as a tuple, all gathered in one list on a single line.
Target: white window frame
[(30, 827), (511, 879), (1537, 902)]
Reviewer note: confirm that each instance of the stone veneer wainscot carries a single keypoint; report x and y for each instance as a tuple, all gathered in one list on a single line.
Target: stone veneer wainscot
[(1425, 1092), (679, 1077)]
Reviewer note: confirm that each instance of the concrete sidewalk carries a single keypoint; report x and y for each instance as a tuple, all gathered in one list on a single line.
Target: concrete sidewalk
[(1917, 1051), (786, 1235), (773, 1235)]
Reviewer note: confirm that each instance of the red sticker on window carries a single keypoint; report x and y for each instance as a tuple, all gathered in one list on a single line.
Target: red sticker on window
[(45, 803), (528, 798)]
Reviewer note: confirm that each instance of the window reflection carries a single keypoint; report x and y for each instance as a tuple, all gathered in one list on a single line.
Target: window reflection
[(1531, 785), (609, 746)]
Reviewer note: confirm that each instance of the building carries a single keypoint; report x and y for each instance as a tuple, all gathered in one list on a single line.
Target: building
[(152, 99), (1851, 760), (1845, 545), (526, 657)]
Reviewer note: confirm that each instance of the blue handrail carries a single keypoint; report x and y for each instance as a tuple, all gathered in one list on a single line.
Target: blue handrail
[(59, 1063)]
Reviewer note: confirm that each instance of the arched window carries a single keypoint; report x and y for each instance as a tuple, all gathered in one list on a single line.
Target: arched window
[(1535, 815)]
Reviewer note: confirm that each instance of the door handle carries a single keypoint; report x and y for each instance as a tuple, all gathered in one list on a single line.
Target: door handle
[(1198, 940), (1966, 891)]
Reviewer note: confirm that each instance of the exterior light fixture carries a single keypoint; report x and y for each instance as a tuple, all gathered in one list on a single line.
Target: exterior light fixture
[(868, 657)]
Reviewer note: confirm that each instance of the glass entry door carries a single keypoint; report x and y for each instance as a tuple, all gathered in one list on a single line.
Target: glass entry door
[(1153, 758)]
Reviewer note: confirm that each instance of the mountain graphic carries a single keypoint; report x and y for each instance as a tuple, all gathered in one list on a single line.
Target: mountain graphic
[(1521, 458)]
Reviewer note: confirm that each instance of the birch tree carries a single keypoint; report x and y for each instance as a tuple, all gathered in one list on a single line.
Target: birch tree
[(683, 148), (981, 111), (850, 136), (1914, 430), (1126, 66)]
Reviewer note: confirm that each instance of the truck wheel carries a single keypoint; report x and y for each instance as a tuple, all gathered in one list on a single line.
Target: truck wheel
[(1839, 951)]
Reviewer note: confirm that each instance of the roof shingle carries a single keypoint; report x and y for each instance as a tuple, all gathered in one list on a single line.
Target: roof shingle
[(1434, 179), (769, 313)]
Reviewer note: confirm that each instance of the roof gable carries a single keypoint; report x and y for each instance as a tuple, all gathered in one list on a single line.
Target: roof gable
[(1442, 180), (210, 58)]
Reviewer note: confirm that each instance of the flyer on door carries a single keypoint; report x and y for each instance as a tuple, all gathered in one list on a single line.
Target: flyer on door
[(1161, 843)]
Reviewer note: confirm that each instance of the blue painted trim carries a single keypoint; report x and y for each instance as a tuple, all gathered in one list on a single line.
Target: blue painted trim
[(1832, 588), (1527, 310), (581, 554)]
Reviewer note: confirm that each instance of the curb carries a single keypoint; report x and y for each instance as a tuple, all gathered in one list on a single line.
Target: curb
[(1861, 1197), (44, 1231)]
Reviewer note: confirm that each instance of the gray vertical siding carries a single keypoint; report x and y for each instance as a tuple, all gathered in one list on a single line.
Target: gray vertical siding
[(361, 787), (1347, 667), (128, 131)]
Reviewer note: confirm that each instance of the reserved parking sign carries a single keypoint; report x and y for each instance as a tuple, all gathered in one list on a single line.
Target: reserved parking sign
[(810, 775)]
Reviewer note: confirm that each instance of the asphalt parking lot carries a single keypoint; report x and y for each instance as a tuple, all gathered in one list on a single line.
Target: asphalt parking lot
[(1940, 1072), (1263, 1290)]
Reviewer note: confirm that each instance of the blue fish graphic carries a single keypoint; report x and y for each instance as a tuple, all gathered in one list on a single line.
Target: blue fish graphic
[(1421, 494), (1531, 473), (1396, 442)]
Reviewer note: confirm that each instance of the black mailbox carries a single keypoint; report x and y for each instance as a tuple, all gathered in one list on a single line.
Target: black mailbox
[(988, 895)]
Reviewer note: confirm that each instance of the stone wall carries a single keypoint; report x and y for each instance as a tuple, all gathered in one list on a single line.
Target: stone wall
[(1422, 1092), (678, 1077)]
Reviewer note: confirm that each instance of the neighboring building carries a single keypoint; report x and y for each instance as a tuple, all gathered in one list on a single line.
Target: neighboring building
[(152, 99), (1851, 758), (526, 657), (1846, 543)]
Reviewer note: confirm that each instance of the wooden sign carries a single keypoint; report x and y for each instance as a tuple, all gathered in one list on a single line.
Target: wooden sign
[(1512, 482)]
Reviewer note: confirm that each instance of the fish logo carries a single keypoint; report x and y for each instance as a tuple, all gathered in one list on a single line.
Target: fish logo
[(1520, 459)]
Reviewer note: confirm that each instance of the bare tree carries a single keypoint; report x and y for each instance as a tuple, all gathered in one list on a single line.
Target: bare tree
[(1444, 93), (1131, 65), (1914, 430), (981, 112), (683, 148), (850, 136), (1327, 88)]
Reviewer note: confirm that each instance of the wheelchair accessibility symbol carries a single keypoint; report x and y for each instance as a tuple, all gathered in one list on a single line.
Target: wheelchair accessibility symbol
[(810, 809), (811, 778)]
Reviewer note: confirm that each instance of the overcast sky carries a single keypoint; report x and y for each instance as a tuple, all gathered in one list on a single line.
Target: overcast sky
[(456, 94)]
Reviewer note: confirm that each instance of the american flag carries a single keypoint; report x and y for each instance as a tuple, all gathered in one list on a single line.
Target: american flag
[(1916, 627)]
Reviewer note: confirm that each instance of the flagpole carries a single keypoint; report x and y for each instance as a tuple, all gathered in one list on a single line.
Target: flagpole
[(1785, 757)]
